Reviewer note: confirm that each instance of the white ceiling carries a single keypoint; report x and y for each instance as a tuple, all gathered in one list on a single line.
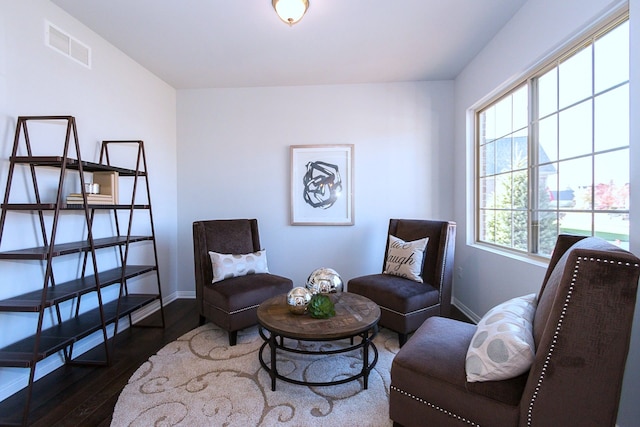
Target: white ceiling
[(242, 43)]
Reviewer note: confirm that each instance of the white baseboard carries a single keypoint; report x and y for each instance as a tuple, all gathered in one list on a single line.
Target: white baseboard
[(184, 295), (465, 310), (55, 361)]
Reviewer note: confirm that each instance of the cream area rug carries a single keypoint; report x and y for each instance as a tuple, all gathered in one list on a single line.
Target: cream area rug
[(198, 380)]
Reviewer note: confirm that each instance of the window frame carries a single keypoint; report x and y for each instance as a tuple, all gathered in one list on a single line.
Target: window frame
[(530, 81)]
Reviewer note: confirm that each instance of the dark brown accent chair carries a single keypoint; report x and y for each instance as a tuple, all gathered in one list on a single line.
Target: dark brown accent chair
[(404, 303), (581, 329), (231, 303)]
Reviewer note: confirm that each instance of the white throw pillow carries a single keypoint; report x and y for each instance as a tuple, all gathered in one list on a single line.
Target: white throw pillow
[(502, 346), (405, 258), (226, 266)]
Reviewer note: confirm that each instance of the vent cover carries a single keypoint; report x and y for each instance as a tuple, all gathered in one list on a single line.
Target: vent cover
[(67, 45)]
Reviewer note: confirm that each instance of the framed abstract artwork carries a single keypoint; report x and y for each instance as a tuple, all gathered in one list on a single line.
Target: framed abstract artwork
[(322, 184)]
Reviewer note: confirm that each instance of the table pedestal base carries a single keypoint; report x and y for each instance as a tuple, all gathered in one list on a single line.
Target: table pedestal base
[(276, 342)]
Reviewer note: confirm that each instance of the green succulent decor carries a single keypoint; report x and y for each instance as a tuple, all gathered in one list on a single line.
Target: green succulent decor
[(321, 307)]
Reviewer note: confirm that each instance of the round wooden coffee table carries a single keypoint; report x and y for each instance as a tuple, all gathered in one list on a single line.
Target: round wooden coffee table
[(356, 316)]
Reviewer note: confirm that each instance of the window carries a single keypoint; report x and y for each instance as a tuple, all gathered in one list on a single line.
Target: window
[(553, 152)]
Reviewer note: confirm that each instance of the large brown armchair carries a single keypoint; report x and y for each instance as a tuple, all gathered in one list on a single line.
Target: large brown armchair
[(233, 302), (404, 303), (581, 330)]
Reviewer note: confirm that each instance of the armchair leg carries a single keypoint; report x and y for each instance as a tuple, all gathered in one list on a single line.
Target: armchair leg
[(233, 338), (402, 339)]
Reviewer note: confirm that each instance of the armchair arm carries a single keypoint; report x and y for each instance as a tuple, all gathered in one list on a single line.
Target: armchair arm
[(582, 351)]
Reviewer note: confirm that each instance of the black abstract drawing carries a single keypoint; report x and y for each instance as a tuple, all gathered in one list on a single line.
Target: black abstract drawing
[(321, 184)]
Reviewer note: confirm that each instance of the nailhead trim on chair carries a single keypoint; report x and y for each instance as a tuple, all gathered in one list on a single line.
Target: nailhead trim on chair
[(432, 406), (407, 314), (244, 309), (237, 311), (559, 326)]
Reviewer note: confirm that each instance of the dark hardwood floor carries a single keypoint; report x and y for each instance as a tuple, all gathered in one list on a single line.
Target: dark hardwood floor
[(86, 395)]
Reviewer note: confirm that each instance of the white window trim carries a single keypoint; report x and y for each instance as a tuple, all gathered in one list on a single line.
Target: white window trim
[(564, 48)]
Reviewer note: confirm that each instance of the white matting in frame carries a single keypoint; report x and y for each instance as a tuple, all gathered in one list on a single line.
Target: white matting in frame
[(322, 184)]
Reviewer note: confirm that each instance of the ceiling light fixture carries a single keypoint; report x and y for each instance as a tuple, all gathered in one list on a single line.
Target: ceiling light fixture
[(290, 11)]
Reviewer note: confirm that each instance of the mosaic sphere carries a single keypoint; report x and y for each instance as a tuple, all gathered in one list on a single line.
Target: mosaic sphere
[(324, 281), (297, 300)]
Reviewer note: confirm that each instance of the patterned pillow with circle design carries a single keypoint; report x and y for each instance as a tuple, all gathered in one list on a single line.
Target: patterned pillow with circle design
[(226, 266), (502, 346)]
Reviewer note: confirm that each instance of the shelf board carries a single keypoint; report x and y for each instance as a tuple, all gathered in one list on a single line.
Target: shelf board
[(56, 338), (78, 206), (31, 302), (67, 206), (42, 252), (73, 164)]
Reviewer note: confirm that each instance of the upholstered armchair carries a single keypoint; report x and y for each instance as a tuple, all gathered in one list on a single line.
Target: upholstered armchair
[(242, 281), (406, 300), (571, 338)]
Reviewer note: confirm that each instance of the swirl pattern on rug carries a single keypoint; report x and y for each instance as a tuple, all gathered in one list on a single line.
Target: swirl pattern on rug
[(198, 380)]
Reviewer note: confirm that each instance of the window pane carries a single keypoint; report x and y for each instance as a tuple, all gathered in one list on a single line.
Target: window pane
[(548, 186), (520, 109), (502, 228), (575, 131), (488, 124), (574, 175), (613, 227), (521, 149), (575, 78), (487, 232), (487, 159), (611, 54), (577, 223), (548, 139), (520, 190), (547, 232), (487, 192), (520, 230), (503, 117), (503, 191), (548, 93), (612, 119), (611, 173), (503, 155)]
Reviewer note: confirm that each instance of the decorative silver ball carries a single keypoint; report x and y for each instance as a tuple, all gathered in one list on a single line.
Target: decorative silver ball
[(324, 281), (297, 299)]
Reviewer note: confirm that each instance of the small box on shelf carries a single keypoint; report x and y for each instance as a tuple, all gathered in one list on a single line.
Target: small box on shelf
[(108, 182)]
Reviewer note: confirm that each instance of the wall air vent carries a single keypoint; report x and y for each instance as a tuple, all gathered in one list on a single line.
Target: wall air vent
[(65, 44)]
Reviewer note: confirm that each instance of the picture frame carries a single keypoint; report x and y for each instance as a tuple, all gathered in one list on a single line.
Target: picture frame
[(322, 184)]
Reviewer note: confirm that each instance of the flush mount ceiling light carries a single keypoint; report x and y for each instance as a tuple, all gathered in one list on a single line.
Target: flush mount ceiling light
[(290, 11)]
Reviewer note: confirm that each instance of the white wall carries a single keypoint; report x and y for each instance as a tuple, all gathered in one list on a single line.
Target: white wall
[(629, 412), (234, 162), (115, 99), (483, 278)]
